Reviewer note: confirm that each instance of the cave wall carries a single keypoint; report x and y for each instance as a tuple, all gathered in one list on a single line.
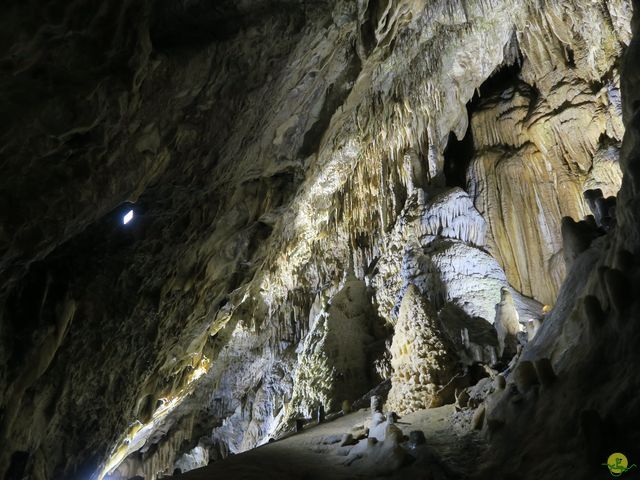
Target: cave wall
[(583, 391), (268, 147), (531, 163)]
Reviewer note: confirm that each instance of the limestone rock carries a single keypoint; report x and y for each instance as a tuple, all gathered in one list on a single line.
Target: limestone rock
[(416, 437), (266, 147), (423, 357), (507, 325), (525, 177), (576, 238), (435, 245), (333, 363)]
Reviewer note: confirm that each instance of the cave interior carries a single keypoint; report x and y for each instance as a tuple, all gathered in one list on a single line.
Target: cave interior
[(319, 239)]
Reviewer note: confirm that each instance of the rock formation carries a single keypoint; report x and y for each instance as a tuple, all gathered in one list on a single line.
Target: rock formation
[(507, 325), (422, 356), (332, 365), (305, 177)]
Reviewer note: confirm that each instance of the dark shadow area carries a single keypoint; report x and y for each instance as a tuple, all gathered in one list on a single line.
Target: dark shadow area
[(457, 156), (16, 467), (458, 153), (504, 77), (335, 96), (192, 23)]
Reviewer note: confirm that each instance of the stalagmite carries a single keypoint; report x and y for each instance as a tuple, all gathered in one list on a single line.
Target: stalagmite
[(423, 358), (507, 325), (230, 224), (332, 364)]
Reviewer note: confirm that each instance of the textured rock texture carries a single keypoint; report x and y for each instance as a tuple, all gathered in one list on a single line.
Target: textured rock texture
[(507, 325), (423, 357), (541, 139), (332, 365), (579, 375), (268, 148)]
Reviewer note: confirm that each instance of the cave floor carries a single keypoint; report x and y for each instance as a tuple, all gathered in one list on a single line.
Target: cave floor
[(308, 455)]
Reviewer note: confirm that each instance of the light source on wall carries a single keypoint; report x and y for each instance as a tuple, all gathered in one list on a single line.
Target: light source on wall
[(127, 217)]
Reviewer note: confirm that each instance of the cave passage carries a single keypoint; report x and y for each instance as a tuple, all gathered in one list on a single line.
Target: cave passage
[(457, 157), (458, 153), (241, 239)]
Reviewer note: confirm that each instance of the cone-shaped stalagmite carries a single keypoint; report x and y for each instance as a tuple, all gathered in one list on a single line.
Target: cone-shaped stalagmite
[(423, 357)]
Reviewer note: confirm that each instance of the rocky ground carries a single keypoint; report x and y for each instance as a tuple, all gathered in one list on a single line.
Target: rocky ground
[(447, 451)]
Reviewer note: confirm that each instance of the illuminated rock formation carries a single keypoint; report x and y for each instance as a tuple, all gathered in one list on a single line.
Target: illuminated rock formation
[(422, 357), (272, 149), (332, 364), (507, 325)]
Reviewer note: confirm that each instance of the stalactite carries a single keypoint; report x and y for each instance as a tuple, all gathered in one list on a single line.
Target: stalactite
[(350, 202)]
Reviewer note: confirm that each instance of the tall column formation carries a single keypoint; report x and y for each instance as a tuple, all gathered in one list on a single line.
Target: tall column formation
[(423, 358), (579, 375)]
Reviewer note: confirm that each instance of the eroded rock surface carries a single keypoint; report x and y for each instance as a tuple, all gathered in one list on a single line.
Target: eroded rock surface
[(422, 356), (268, 148), (333, 364)]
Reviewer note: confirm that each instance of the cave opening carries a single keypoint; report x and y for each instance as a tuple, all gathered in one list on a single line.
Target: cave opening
[(457, 157), (503, 78), (458, 153)]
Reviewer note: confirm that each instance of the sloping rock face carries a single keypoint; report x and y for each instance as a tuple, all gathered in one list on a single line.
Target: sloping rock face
[(531, 167), (268, 147)]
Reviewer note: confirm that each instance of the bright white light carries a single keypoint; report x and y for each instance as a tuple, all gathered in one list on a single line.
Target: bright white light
[(128, 217)]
